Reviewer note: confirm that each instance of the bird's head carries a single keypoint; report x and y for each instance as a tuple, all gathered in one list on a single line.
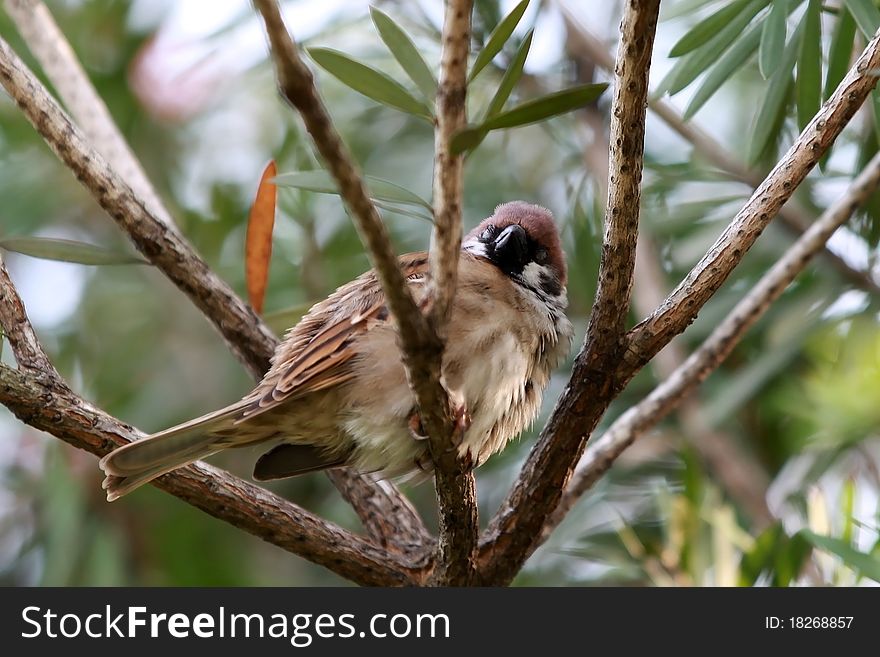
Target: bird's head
[(521, 239)]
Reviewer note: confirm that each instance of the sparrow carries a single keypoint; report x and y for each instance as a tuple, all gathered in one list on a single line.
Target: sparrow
[(336, 394)]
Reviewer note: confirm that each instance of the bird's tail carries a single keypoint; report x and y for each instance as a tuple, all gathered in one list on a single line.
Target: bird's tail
[(139, 462)]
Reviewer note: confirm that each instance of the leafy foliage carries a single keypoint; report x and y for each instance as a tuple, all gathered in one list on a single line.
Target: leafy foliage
[(797, 397)]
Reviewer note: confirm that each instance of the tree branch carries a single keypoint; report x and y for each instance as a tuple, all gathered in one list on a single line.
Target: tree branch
[(36, 401), (26, 348), (248, 338), (591, 390), (666, 396), (47, 43), (454, 480), (794, 215), (511, 535), (245, 334), (743, 477), (39, 397), (681, 307), (626, 154), (420, 343)]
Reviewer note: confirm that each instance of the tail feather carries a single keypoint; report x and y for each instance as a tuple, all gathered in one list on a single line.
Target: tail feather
[(139, 462)]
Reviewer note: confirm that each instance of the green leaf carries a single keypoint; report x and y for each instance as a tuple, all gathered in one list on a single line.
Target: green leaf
[(772, 38), (866, 565), (689, 67), (531, 111), (544, 107), (776, 97), (368, 81), (727, 65), (322, 182), (762, 555), (866, 14), (406, 53), (467, 139), (809, 68), (498, 38), (511, 77), (840, 52), (790, 560), (50, 248), (707, 28)]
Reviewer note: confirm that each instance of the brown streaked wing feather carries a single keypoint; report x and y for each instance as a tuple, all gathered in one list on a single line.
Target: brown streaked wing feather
[(315, 352)]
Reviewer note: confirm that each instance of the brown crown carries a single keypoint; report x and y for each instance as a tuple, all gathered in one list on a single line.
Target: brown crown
[(539, 225)]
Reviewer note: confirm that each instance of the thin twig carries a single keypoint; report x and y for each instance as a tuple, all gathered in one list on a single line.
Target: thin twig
[(512, 533), (665, 397), (626, 154), (682, 305), (420, 344), (741, 475), (47, 43), (245, 333), (28, 352), (456, 489), (795, 217), (448, 168)]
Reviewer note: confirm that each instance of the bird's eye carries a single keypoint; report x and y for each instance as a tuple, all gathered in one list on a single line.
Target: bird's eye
[(541, 256), (488, 234)]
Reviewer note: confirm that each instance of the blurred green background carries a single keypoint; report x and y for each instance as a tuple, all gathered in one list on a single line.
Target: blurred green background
[(791, 418)]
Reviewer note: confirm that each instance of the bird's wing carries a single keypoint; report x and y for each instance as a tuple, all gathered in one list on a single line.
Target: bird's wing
[(315, 353)]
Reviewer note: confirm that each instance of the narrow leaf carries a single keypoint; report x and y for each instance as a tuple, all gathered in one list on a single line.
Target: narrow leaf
[(772, 38), (774, 103), (510, 78), (320, 181), (867, 565), (258, 245), (498, 38), (63, 250), (368, 81), (866, 14), (840, 53), (544, 107), (467, 139), (531, 111), (809, 68), (406, 54), (690, 66), (727, 65), (707, 28)]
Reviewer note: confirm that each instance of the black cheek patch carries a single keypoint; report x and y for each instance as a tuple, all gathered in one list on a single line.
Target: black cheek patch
[(550, 284)]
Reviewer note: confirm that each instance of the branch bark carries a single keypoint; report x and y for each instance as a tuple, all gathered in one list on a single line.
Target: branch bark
[(795, 217), (38, 396), (248, 338), (420, 342), (680, 308), (47, 43), (511, 535), (37, 401), (667, 396), (590, 391), (243, 331), (454, 481)]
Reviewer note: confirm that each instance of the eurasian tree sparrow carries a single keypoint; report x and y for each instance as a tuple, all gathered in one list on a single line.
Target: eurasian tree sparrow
[(337, 395)]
